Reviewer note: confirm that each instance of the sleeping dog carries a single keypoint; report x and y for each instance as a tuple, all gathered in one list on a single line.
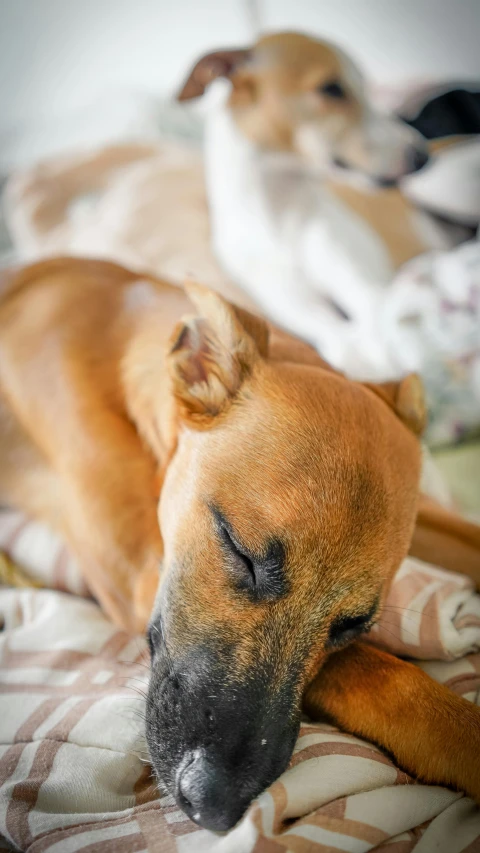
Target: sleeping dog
[(171, 434), (309, 249)]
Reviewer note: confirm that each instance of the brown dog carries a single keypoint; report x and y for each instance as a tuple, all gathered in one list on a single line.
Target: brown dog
[(288, 498)]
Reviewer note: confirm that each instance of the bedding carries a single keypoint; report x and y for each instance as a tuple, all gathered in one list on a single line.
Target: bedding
[(460, 467)]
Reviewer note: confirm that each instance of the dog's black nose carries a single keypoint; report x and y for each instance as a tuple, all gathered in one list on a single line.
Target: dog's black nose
[(204, 793), (417, 159)]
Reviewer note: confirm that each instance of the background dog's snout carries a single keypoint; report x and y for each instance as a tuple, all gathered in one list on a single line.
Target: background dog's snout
[(417, 158), (205, 794)]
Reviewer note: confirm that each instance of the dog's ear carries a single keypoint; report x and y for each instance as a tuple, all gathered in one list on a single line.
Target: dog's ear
[(220, 63), (212, 353), (407, 399), (255, 326)]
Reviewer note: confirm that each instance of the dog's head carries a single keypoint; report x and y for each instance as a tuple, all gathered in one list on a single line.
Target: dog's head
[(287, 506), (298, 94)]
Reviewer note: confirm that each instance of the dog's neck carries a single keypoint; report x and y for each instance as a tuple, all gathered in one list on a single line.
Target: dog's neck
[(238, 171), (277, 228), (259, 197)]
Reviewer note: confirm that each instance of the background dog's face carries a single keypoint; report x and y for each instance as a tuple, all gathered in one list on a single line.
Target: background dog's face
[(296, 94), (287, 506)]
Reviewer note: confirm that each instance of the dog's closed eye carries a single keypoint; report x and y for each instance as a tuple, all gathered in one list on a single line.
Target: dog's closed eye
[(346, 628), (243, 561), (333, 89), (261, 575), (152, 636)]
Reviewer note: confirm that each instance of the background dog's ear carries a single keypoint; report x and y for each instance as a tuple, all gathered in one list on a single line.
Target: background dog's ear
[(212, 353), (407, 399), (220, 63)]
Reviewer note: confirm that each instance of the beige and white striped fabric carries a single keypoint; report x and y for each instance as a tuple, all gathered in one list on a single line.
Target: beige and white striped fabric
[(72, 771)]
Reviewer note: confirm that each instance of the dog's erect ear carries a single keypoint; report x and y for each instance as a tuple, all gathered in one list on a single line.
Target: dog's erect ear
[(220, 63), (212, 353), (407, 399), (255, 326)]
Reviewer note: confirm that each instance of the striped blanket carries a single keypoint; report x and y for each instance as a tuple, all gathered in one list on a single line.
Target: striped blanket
[(74, 772)]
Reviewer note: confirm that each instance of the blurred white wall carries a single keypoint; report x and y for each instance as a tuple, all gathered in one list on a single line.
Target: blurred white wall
[(395, 40), (57, 55)]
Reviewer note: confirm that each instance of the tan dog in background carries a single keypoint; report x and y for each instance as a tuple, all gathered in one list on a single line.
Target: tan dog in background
[(286, 496), (311, 248)]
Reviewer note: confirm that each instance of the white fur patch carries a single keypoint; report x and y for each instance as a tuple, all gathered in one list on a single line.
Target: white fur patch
[(139, 296)]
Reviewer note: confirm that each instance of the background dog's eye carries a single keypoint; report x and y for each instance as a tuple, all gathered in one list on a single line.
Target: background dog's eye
[(346, 628), (333, 89)]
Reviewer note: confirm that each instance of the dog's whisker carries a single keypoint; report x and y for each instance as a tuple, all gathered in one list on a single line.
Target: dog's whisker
[(135, 663), (392, 625), (138, 681), (399, 609), (139, 714), (392, 634), (139, 692)]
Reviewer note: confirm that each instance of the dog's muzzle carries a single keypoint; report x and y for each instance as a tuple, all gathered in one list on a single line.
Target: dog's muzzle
[(216, 739)]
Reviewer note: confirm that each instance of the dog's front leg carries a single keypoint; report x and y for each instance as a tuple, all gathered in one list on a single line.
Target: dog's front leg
[(110, 492), (431, 733)]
